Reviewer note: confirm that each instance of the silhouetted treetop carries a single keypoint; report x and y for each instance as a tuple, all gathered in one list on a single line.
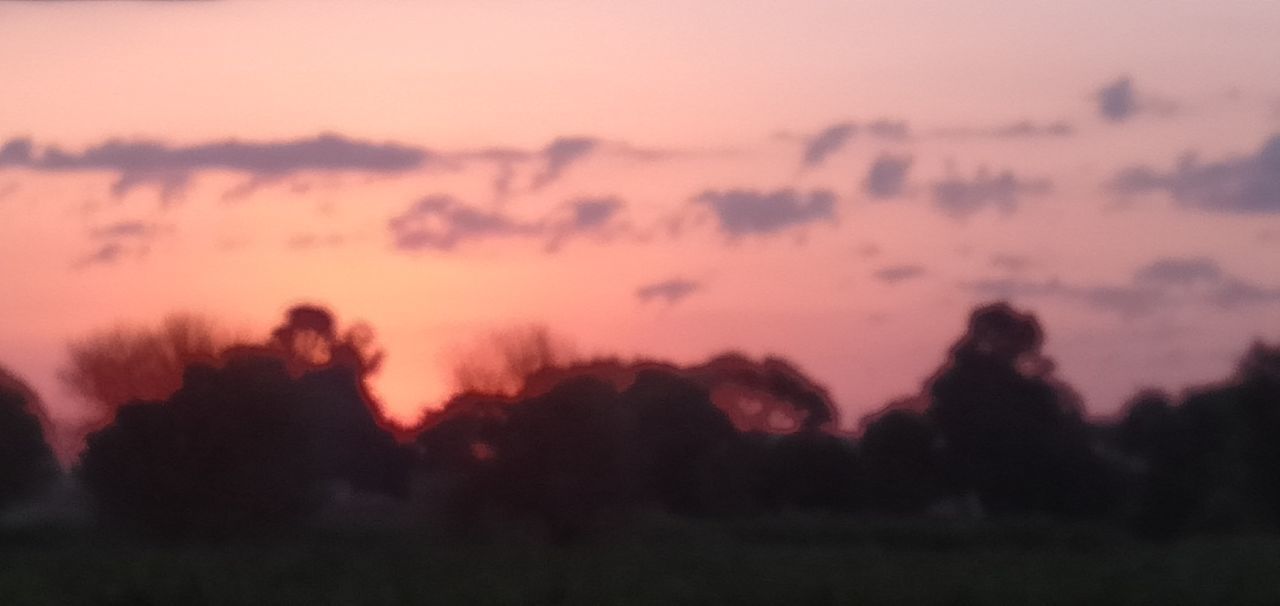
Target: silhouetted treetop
[(309, 339), (1013, 431), (772, 395)]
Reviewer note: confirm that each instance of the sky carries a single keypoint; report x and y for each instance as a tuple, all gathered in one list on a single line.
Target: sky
[(838, 183)]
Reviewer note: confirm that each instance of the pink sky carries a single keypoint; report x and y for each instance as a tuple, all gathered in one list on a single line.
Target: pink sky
[(687, 116)]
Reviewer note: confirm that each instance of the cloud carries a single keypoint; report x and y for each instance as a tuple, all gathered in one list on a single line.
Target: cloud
[(115, 241), (960, 198), (869, 250), (593, 213), (1027, 128), (559, 155), (1020, 129), (139, 162), (887, 177), (16, 152), (745, 212), (1163, 283), (126, 229), (105, 254), (1180, 271), (1247, 184), (827, 142), (441, 223), (1117, 100), (555, 159), (671, 291), (170, 168), (1125, 300), (889, 129), (326, 152), (595, 216), (1010, 262), (895, 274)]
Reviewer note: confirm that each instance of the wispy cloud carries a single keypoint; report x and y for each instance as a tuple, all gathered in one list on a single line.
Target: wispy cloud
[(960, 198), (170, 167), (442, 223), (1010, 262), (1020, 129), (895, 274), (827, 142), (1247, 184), (670, 291), (748, 212), (820, 146), (114, 242), (1163, 283), (559, 155), (887, 177), (1117, 100)]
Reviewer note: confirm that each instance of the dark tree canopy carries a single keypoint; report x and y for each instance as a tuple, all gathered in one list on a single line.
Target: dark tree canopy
[(1212, 462), (26, 461), (1013, 432), (902, 461), (676, 430), (259, 437), (226, 453), (252, 442)]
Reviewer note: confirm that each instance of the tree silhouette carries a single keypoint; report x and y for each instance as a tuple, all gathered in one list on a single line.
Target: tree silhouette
[(251, 439), (26, 462), (563, 455), (812, 471), (1012, 431), (111, 368), (228, 452), (676, 430), (505, 361), (1212, 462), (902, 462)]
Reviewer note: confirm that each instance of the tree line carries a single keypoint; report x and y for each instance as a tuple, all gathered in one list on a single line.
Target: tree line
[(203, 434)]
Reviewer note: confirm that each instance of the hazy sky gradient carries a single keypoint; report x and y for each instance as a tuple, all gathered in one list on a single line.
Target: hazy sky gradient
[(568, 160)]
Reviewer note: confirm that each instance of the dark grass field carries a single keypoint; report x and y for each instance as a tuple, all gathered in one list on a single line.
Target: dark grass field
[(776, 561)]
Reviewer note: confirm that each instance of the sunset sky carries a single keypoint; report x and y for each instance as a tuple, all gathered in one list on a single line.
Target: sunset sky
[(835, 182)]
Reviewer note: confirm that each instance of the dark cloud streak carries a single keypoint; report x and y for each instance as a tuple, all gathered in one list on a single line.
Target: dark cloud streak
[(442, 223), (745, 212), (960, 198), (1247, 184), (827, 142), (670, 291), (887, 177), (1163, 283), (895, 274), (1117, 101)]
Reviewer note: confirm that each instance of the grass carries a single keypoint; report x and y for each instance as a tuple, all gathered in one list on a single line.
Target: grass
[(788, 560)]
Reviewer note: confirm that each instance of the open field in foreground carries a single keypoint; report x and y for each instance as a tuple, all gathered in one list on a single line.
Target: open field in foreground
[(775, 561)]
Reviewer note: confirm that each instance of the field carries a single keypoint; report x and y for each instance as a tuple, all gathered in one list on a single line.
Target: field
[(775, 561)]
